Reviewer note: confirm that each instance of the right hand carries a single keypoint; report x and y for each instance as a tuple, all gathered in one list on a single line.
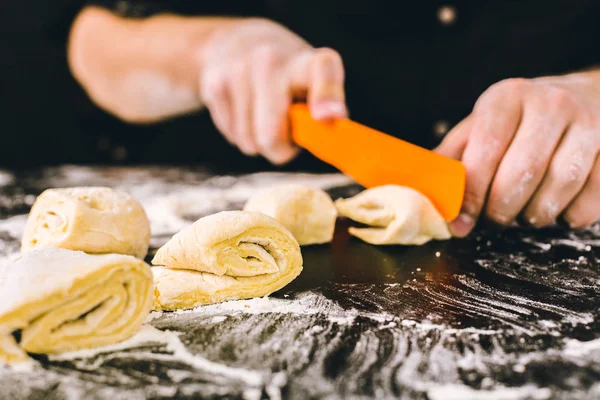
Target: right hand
[(252, 72)]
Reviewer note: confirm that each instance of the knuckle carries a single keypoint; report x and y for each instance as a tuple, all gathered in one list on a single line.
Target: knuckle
[(327, 54), (511, 86), (528, 169), (266, 56), (214, 87), (587, 118), (570, 173), (560, 100), (239, 70), (576, 173), (506, 88)]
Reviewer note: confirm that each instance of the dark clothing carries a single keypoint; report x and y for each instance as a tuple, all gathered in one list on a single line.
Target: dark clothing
[(411, 70)]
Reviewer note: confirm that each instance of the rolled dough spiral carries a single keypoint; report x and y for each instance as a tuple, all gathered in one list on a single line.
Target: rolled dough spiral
[(308, 213), (225, 256), (96, 220), (396, 214)]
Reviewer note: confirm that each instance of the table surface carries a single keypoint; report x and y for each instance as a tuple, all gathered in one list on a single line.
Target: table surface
[(504, 314)]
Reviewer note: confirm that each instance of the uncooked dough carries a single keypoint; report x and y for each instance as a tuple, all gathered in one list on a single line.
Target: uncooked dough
[(225, 256), (308, 213), (65, 300), (96, 220), (396, 214)]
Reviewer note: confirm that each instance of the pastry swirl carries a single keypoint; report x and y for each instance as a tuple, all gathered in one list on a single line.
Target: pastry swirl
[(396, 215), (63, 300), (96, 220), (226, 256)]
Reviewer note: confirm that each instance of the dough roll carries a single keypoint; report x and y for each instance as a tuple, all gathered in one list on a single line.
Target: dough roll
[(226, 256), (308, 213), (63, 300), (396, 214), (96, 220)]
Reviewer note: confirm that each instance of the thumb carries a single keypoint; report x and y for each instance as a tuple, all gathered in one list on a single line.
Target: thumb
[(319, 76), (456, 140)]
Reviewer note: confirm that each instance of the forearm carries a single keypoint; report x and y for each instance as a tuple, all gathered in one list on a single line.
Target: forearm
[(140, 70)]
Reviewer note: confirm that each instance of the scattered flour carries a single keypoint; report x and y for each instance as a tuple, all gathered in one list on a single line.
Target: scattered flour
[(14, 226), (150, 335), (576, 244), (576, 348), (6, 178), (172, 207), (543, 246), (462, 392)]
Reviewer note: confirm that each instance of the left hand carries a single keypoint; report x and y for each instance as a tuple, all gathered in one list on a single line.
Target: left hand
[(530, 148)]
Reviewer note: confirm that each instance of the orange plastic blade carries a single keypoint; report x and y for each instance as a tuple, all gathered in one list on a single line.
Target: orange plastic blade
[(373, 158)]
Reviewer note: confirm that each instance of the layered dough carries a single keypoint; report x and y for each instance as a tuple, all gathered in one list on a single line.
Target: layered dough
[(308, 213), (63, 300), (96, 220), (396, 215), (225, 256)]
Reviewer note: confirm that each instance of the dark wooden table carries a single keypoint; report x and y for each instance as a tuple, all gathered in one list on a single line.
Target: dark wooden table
[(504, 314)]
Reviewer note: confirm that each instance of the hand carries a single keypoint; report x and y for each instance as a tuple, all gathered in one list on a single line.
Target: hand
[(530, 148), (246, 71), (253, 71)]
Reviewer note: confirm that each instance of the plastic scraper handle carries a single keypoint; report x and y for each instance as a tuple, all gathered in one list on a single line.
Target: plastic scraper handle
[(373, 158)]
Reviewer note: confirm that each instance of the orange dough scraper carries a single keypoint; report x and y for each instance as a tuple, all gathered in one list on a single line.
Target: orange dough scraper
[(373, 158)]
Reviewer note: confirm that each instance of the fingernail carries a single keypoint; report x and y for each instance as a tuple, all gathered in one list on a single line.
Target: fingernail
[(328, 109), (462, 225)]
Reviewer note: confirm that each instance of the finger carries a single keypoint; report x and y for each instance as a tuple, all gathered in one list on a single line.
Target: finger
[(241, 91), (216, 97), (545, 120), (456, 140), (497, 115), (568, 171), (271, 102), (321, 76), (585, 209)]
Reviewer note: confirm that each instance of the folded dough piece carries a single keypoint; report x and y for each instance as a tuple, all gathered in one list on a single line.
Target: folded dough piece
[(65, 300), (397, 214), (308, 213), (225, 256), (90, 219)]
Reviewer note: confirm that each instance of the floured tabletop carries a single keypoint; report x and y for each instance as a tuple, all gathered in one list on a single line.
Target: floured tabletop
[(504, 314)]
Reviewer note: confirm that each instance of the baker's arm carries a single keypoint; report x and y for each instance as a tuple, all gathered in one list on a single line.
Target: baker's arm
[(245, 71), (141, 70)]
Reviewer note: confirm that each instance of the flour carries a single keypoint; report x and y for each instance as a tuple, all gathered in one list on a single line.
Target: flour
[(170, 340), (543, 246), (14, 226), (461, 392), (306, 304), (576, 244), (268, 347), (6, 178), (576, 348), (172, 207)]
